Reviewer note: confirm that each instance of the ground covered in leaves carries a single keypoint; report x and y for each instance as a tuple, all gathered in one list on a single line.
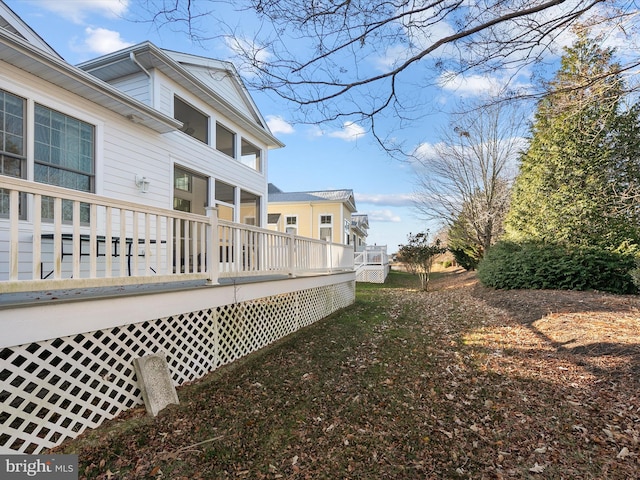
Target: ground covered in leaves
[(458, 382)]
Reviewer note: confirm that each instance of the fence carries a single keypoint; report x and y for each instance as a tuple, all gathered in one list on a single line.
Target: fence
[(372, 264), (59, 238)]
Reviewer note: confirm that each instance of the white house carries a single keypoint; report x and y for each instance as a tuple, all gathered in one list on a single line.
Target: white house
[(133, 220)]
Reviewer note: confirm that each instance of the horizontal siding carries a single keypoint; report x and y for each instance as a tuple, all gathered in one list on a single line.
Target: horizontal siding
[(224, 84), (136, 86), (127, 149)]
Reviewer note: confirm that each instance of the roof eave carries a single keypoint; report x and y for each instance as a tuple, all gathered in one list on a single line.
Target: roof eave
[(56, 71), (164, 62)]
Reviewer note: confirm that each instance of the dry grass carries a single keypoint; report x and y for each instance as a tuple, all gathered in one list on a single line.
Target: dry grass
[(458, 382)]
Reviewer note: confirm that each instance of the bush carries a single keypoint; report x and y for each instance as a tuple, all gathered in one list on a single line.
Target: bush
[(510, 265), (468, 261)]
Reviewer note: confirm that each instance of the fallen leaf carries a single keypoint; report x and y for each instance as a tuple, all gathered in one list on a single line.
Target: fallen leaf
[(623, 453), (537, 468), (541, 450)]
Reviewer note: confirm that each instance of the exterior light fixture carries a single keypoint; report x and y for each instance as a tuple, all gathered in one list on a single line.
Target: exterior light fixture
[(143, 184)]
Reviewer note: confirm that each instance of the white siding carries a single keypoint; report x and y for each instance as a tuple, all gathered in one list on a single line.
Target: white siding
[(165, 101), (224, 84), (125, 149), (136, 86)]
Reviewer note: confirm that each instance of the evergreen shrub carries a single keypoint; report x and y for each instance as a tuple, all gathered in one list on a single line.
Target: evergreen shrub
[(534, 265), (468, 261)]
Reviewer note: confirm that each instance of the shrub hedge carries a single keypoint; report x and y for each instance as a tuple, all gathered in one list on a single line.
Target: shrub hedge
[(510, 265)]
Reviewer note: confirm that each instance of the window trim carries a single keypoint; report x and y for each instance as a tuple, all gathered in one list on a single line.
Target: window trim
[(291, 226), (328, 226)]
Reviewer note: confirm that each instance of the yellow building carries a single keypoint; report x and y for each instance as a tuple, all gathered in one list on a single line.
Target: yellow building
[(326, 215)]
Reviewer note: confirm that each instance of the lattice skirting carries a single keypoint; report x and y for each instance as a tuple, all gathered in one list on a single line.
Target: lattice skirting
[(372, 274), (55, 389)]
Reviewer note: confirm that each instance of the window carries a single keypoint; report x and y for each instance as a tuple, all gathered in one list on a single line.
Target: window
[(225, 141), (63, 156), (12, 148), (64, 150), (291, 224), (190, 191), (194, 122), (225, 200), (347, 231), (326, 230), (250, 155), (249, 208)]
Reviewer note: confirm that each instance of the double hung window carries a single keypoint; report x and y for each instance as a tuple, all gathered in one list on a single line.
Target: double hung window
[(326, 228), (291, 224), (64, 150), (64, 153), (12, 143)]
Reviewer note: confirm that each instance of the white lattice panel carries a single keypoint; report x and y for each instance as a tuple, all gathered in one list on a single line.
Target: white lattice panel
[(372, 274), (55, 389)]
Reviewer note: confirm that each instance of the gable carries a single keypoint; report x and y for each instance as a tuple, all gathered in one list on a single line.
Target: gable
[(222, 78), (11, 23), (214, 82), (227, 87)]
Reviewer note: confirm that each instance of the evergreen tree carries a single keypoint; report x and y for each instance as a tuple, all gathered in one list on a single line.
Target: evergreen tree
[(577, 179)]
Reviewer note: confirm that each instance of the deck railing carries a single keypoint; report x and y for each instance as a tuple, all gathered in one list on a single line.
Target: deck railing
[(372, 255), (52, 237)]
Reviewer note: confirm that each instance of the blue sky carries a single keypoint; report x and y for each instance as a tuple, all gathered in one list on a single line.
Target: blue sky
[(315, 158)]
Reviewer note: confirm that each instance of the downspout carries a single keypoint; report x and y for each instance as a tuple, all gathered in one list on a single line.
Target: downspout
[(146, 72)]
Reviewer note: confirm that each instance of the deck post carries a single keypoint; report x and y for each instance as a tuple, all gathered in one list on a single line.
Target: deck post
[(212, 253), (292, 254)]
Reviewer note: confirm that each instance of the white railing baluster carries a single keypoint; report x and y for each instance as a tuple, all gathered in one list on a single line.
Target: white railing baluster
[(93, 241), (122, 242), (147, 244), (57, 238), (37, 237), (108, 242), (159, 269), (76, 241), (14, 245), (132, 251)]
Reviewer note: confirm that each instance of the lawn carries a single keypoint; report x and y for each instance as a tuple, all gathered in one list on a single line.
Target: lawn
[(457, 382)]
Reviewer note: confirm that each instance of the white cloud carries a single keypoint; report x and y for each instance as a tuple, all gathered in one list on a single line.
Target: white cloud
[(77, 10), (277, 125), (350, 131), (389, 199), (426, 151), (392, 57), (470, 85), (384, 215), (102, 41)]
